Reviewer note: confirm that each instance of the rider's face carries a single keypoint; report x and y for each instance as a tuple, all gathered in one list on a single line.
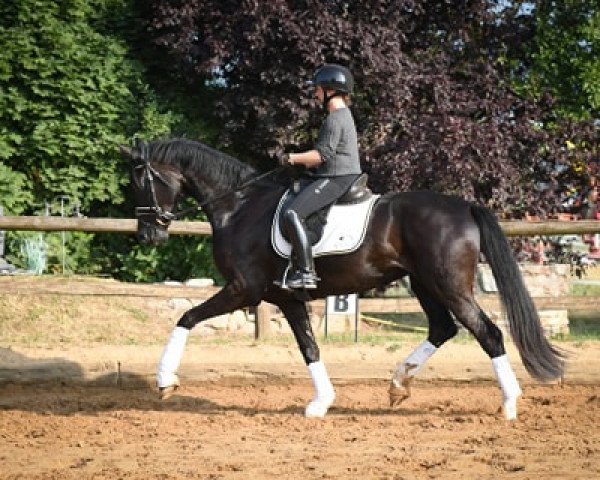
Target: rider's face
[(319, 93)]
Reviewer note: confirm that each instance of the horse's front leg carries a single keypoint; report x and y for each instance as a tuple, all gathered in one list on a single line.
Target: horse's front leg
[(297, 317), (228, 299)]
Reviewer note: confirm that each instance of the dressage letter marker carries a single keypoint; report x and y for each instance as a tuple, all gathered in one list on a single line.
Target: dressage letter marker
[(339, 309)]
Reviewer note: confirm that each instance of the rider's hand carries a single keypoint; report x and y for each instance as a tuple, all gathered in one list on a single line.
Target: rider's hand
[(284, 159)]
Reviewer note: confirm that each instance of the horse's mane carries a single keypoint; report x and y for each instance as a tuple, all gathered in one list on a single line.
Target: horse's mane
[(199, 159)]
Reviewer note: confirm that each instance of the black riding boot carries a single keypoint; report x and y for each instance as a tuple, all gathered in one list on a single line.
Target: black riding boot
[(304, 276)]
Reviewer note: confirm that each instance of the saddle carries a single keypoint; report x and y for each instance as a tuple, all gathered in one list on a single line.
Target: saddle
[(337, 228), (315, 223), (358, 192)]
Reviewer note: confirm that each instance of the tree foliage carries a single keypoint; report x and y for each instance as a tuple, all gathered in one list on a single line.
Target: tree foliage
[(563, 58), (65, 89), (491, 100), (15, 198), (561, 62), (70, 94), (433, 96)]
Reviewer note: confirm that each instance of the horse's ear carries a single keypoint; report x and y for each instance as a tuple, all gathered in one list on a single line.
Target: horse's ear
[(125, 150), (134, 153)]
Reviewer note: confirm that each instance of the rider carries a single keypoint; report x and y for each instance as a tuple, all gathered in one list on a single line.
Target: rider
[(334, 163)]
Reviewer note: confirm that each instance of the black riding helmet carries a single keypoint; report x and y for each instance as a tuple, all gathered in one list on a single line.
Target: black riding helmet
[(333, 77)]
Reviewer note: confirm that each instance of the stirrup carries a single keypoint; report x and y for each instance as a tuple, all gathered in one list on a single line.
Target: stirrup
[(302, 280), (283, 282)]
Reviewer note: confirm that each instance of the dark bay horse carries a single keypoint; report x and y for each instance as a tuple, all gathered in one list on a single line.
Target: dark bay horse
[(433, 239)]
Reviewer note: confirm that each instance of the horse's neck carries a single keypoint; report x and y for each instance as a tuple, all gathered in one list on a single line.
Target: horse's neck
[(206, 186), (217, 196), (222, 202)]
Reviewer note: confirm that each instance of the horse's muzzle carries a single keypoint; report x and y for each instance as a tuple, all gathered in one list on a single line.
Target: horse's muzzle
[(151, 234)]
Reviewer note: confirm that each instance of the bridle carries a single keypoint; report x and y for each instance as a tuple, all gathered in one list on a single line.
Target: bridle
[(165, 217)]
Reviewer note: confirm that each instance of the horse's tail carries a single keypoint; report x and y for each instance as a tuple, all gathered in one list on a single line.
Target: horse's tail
[(542, 360)]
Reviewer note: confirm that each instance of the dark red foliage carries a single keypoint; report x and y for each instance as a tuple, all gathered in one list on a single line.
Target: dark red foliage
[(432, 101)]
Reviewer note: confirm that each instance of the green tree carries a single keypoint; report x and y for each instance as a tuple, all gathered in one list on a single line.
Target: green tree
[(560, 64), (70, 93), (13, 195), (563, 58), (66, 93)]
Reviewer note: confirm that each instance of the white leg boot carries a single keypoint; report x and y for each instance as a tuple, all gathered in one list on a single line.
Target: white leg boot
[(166, 376), (406, 371), (509, 385), (324, 393)]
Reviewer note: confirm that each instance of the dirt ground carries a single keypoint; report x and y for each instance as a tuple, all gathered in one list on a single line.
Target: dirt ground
[(89, 410), (79, 413)]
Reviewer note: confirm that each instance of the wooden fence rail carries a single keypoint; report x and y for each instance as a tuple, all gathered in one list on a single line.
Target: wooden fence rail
[(127, 225), (100, 225), (118, 225)]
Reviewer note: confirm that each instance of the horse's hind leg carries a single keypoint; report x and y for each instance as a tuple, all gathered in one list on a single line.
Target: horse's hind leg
[(297, 317), (489, 336), (441, 329)]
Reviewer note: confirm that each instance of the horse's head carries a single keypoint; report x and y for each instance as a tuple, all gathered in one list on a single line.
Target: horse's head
[(156, 188)]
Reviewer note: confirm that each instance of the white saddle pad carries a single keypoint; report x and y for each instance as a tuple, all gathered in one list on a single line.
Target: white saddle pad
[(344, 232)]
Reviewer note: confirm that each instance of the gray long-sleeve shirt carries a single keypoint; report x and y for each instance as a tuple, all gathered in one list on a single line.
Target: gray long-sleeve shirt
[(338, 145)]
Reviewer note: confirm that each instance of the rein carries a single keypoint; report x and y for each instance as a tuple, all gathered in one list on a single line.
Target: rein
[(239, 188), (165, 217)]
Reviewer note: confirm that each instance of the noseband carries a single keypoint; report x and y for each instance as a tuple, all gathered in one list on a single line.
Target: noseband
[(163, 217)]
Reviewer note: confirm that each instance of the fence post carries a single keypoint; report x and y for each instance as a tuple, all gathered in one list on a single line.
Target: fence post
[(262, 318), (1, 234)]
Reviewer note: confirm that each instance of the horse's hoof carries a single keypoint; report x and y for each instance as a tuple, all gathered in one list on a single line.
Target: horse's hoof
[(317, 408), (399, 394), (510, 408), (167, 392)]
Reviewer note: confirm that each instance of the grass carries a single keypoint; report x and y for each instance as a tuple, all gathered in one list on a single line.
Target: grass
[(585, 289), (60, 320), (370, 338), (583, 325), (52, 320)]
